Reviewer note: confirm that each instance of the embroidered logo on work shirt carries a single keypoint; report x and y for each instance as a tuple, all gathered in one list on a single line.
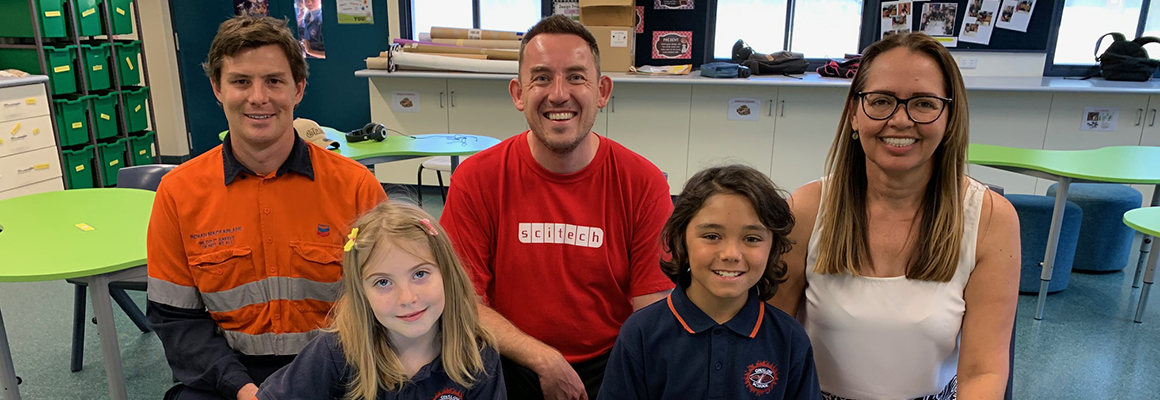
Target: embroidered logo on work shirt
[(760, 377), (323, 230), (448, 394), (554, 233)]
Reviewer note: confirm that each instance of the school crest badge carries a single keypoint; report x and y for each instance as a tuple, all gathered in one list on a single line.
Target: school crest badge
[(760, 377), (448, 394)]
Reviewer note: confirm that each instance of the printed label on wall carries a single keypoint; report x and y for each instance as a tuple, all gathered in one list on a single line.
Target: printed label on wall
[(672, 45), (407, 102), (744, 109), (1099, 119), (672, 4), (355, 12)]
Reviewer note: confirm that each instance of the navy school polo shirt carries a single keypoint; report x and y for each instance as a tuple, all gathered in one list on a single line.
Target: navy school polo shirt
[(673, 350)]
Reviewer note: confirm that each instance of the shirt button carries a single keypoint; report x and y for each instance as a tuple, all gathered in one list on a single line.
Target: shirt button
[(267, 210), (269, 241), (717, 367), (277, 316)]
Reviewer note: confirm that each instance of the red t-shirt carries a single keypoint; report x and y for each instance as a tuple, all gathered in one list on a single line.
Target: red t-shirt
[(560, 256)]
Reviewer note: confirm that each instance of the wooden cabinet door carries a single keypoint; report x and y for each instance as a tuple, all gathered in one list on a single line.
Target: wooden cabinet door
[(653, 120), (715, 139), (1014, 119), (483, 107), (413, 106), (807, 120)]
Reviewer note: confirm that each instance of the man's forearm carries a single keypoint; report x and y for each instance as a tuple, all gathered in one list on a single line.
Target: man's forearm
[(514, 343)]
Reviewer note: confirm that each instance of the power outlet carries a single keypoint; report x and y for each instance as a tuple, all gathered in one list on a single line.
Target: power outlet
[(968, 62)]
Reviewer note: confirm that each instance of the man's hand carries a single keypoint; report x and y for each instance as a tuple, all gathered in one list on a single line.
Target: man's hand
[(559, 381), (248, 392)]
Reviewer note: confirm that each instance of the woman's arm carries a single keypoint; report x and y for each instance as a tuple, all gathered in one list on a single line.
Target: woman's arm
[(804, 205), (990, 298)]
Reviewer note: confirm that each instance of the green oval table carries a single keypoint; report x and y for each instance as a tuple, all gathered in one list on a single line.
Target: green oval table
[(1115, 164), (1146, 221), (40, 241)]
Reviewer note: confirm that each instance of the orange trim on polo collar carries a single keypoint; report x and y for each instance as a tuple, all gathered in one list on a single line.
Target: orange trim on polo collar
[(669, 298)]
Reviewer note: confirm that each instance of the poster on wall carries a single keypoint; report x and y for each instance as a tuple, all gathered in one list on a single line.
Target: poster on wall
[(979, 21), (672, 45), (308, 14), (1015, 14), (895, 17), (252, 8), (567, 8), (672, 4), (355, 12), (1099, 119), (639, 19)]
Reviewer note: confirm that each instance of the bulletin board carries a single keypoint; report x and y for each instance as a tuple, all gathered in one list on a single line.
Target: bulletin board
[(994, 21)]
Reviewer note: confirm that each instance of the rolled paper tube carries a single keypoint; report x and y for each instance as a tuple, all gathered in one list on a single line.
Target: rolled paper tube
[(490, 44), (463, 33)]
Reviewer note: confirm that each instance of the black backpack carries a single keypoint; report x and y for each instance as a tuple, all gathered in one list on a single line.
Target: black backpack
[(1126, 60), (779, 63)]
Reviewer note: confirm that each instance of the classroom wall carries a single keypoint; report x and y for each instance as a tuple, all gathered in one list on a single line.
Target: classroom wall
[(160, 52)]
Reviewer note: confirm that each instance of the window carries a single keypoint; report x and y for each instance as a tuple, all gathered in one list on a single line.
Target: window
[(504, 15), (1084, 21), (819, 29)]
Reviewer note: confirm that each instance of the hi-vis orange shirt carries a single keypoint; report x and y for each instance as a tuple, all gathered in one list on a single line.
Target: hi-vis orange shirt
[(261, 254)]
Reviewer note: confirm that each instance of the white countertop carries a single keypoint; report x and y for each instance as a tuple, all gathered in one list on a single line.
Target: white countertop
[(27, 80), (1004, 84)]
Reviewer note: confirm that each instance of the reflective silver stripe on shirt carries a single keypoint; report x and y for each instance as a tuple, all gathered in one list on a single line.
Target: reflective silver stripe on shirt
[(273, 288), (277, 344), (172, 294)]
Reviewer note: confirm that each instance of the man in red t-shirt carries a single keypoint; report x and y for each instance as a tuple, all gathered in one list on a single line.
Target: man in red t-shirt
[(559, 227)]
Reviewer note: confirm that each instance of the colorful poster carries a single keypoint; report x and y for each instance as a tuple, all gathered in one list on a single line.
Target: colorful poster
[(567, 8), (672, 4), (1015, 14), (355, 12), (672, 45), (938, 19), (253, 8), (308, 14), (1099, 119), (979, 21), (896, 17)]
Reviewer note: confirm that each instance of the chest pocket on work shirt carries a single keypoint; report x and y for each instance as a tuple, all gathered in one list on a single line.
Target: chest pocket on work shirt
[(223, 269), (320, 265)]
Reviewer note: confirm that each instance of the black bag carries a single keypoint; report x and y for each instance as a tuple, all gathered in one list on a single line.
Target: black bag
[(1126, 60), (779, 63)]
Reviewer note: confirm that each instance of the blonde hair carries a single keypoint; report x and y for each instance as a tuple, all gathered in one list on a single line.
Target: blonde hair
[(843, 245), (364, 340)]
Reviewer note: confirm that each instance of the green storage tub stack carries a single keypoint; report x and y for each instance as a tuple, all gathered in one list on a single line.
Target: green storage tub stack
[(78, 167), (88, 16), (96, 60), (16, 21), (112, 157), (141, 148), (71, 122), (61, 74), (122, 16), (105, 114), (136, 108), (126, 54)]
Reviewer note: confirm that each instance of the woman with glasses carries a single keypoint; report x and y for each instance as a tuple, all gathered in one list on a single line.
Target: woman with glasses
[(904, 270)]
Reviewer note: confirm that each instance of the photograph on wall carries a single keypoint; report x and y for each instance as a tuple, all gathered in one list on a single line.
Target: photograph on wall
[(1015, 15), (672, 45), (896, 17), (308, 14), (979, 21), (252, 8), (672, 4), (567, 8), (355, 12), (938, 19), (1099, 119)]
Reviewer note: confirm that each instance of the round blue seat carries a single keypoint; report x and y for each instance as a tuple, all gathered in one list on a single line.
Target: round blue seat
[(1034, 222), (1105, 243)]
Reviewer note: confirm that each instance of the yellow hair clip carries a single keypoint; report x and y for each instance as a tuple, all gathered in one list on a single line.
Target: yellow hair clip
[(350, 243)]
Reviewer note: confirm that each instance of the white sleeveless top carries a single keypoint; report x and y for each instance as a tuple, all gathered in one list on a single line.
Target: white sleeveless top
[(889, 338)]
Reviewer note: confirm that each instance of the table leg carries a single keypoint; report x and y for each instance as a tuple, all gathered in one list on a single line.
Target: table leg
[(1147, 286), (7, 371), (454, 164), (1052, 243), (1145, 243), (106, 328)]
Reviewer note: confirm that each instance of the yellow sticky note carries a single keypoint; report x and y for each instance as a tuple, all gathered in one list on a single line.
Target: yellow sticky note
[(1, 141), (16, 129), (40, 166), (114, 162), (30, 101), (105, 116), (130, 62), (62, 68), (80, 168), (52, 13), (120, 11), (98, 67), (137, 109), (35, 131), (88, 12), (84, 227), (78, 125), (142, 152)]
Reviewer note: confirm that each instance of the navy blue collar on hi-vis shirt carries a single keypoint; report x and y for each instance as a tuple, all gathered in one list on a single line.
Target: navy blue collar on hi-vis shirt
[(298, 161), (673, 350)]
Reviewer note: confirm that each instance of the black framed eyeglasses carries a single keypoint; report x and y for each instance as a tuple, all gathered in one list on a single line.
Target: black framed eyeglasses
[(920, 109)]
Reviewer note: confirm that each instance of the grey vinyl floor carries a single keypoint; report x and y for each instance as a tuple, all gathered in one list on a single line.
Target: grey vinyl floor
[(1087, 347)]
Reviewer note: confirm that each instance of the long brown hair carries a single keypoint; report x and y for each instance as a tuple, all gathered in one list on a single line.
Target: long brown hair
[(364, 340), (843, 245)]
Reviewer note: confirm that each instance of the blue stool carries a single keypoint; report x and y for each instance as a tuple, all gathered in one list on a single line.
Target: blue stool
[(1034, 222), (1104, 241)]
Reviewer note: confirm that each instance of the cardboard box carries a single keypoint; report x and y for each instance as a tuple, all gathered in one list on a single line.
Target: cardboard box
[(617, 47), (608, 12)]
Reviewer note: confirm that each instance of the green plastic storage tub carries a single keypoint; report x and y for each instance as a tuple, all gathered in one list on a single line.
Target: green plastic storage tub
[(105, 114), (88, 17), (122, 19), (61, 74), (136, 108), (141, 148), (126, 54), (112, 156), (78, 167), (96, 60), (71, 121), (16, 18)]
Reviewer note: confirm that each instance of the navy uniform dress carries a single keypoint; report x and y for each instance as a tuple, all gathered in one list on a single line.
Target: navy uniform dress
[(673, 350), (320, 372)]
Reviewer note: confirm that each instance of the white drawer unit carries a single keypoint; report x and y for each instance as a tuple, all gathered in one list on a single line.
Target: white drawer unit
[(29, 167), (20, 102), (50, 185), (24, 135)]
